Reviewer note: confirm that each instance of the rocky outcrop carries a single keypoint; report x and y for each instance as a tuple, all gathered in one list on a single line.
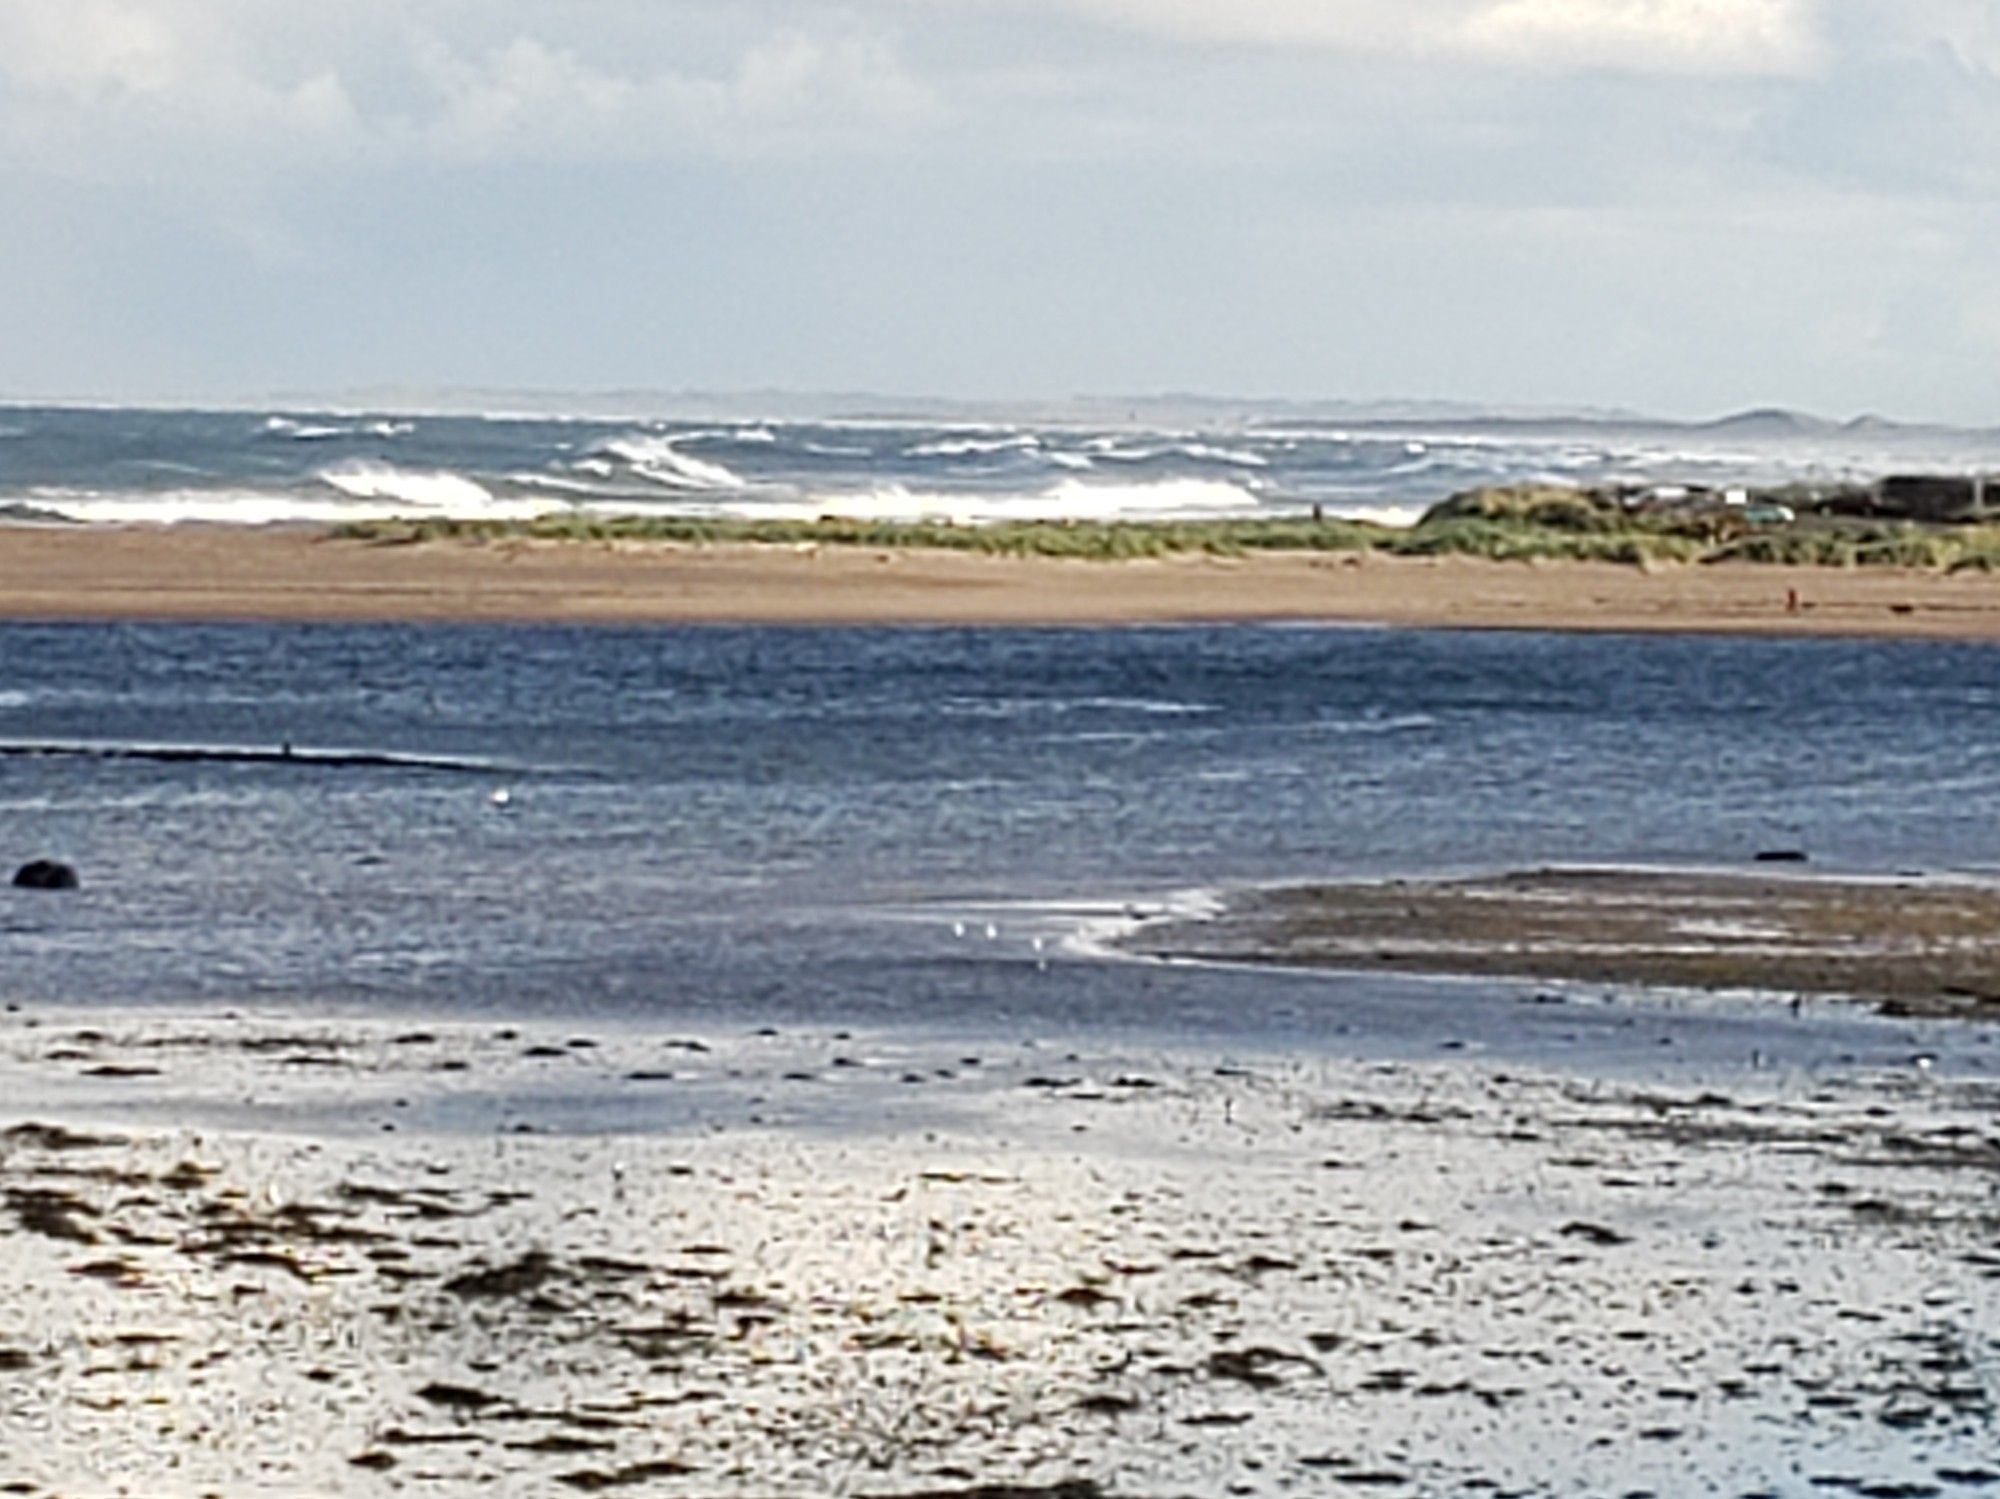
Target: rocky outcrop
[(45, 874)]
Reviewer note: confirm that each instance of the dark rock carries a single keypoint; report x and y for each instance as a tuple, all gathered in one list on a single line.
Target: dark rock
[(45, 874), (1782, 856), (1932, 497)]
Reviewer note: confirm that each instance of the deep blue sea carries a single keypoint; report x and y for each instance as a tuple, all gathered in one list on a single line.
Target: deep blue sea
[(897, 827)]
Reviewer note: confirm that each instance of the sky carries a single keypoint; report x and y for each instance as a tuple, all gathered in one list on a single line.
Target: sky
[(1682, 206)]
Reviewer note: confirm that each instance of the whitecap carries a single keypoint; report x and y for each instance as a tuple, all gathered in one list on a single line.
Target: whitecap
[(285, 426), (1238, 457), (388, 496), (660, 460), (437, 489), (972, 447), (1067, 500)]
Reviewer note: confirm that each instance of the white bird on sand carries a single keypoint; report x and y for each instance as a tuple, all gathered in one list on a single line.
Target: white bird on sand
[(501, 797)]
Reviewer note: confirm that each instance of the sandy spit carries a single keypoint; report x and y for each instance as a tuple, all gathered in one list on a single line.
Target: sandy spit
[(230, 573), (1911, 946)]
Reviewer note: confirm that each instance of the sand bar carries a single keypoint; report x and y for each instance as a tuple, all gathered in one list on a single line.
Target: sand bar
[(231, 573), (1913, 947)]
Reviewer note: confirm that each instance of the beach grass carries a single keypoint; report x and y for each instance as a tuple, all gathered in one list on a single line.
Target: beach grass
[(1510, 524)]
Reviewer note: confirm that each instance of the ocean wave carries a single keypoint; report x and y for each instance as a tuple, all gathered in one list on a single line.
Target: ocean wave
[(1018, 707), (1195, 452), (298, 431), (660, 460), (345, 492), (433, 490), (974, 447), (1069, 499)]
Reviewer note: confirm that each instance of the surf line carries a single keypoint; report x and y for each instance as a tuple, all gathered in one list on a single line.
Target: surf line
[(284, 754)]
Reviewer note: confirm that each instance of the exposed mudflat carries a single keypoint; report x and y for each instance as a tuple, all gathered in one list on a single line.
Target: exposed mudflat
[(1913, 947), (826, 1263)]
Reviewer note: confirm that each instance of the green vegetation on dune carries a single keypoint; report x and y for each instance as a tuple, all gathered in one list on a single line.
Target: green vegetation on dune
[(1086, 540), (1521, 523)]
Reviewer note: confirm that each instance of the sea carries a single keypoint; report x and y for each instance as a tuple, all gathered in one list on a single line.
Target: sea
[(83, 465)]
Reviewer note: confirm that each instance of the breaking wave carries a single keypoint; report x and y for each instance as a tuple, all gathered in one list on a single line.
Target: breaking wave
[(660, 459), (1071, 499), (975, 447)]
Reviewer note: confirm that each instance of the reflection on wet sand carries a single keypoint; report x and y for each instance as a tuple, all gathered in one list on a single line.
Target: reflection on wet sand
[(893, 1267)]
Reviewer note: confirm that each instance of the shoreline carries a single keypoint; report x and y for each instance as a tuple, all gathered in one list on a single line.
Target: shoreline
[(308, 574)]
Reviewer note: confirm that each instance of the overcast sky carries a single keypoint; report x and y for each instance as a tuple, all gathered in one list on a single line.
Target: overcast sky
[(1687, 206)]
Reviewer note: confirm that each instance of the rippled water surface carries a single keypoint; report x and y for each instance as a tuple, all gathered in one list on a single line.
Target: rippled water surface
[(795, 820)]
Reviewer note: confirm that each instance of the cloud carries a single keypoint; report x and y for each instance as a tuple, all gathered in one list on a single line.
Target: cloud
[(792, 92), (90, 81), (1647, 36), (1699, 36), (89, 48)]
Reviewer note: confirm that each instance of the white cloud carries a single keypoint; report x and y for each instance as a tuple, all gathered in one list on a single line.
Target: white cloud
[(93, 80), (1720, 36), (85, 48), (1724, 36), (791, 92)]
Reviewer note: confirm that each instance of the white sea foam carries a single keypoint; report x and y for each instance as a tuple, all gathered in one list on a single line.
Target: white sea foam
[(1402, 517), (1240, 457), (251, 507), (352, 491), (661, 460), (429, 491), (1113, 451), (972, 447), (285, 426), (1070, 499)]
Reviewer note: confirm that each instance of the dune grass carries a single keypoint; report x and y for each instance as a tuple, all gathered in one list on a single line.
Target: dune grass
[(1518, 524)]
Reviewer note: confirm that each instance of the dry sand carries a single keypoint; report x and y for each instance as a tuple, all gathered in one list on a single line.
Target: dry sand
[(226, 573), (271, 1257)]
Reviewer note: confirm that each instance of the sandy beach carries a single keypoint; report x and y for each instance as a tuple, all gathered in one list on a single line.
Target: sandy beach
[(259, 1256), (237, 573)]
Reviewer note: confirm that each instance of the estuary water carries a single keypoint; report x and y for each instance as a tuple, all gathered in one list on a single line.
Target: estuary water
[(902, 827)]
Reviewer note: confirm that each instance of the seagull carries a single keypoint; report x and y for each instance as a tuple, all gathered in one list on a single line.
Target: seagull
[(501, 797)]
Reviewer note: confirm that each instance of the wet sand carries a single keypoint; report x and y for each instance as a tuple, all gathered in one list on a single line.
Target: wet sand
[(1911, 947), (229, 573), (270, 1257)]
